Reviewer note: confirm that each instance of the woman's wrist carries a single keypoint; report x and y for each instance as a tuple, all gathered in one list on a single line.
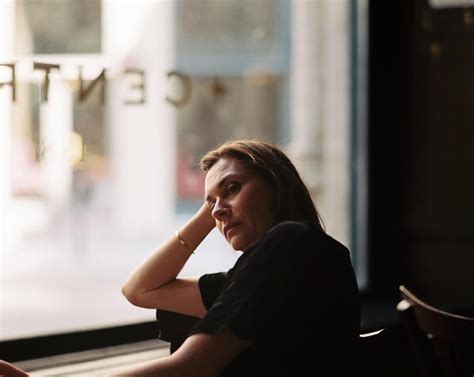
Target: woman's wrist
[(196, 229), (204, 215)]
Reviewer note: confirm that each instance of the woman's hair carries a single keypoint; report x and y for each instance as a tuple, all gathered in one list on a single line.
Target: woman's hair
[(292, 199)]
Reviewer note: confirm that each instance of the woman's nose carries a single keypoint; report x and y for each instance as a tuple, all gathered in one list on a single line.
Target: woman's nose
[(220, 210)]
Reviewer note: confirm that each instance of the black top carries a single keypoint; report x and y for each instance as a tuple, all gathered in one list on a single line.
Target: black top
[(294, 293)]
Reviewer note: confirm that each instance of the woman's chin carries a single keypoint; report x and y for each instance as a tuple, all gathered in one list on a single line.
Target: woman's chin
[(241, 245), (237, 244)]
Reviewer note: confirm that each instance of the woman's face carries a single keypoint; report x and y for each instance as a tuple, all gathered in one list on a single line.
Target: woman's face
[(240, 200)]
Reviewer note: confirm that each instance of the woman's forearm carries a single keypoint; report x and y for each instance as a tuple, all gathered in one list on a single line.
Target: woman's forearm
[(168, 260)]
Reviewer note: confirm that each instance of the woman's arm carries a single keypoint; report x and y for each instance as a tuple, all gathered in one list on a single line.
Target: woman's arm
[(201, 355), (159, 271)]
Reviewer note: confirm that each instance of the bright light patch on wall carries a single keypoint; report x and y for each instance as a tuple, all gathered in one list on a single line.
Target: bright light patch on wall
[(451, 3)]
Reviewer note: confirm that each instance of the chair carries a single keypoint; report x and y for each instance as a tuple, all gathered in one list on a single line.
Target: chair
[(376, 348), (370, 344), (380, 353), (442, 342), (174, 327)]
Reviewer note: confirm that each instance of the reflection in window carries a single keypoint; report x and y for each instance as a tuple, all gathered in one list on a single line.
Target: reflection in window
[(25, 167), (94, 186)]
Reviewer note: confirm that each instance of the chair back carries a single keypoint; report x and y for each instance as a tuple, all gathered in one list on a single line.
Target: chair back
[(443, 342)]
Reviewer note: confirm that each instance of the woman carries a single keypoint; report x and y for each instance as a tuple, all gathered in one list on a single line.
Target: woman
[(289, 306), (291, 300)]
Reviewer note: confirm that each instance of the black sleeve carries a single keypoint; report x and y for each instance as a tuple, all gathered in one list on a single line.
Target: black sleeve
[(211, 286), (261, 285)]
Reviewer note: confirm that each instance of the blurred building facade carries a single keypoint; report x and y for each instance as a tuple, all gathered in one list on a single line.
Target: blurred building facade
[(99, 145)]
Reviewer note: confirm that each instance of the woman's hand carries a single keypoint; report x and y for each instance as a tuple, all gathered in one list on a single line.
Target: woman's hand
[(9, 370), (205, 215)]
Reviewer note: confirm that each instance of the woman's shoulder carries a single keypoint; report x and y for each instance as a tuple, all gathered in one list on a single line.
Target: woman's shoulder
[(291, 228), (289, 233), (295, 230), (303, 232)]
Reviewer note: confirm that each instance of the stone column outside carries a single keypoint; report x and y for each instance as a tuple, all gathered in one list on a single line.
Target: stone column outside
[(320, 107), (141, 136)]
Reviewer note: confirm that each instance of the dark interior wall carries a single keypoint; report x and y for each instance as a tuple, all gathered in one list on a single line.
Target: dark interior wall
[(388, 20), (438, 203), (421, 150)]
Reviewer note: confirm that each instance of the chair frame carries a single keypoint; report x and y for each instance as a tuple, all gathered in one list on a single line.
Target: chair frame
[(443, 342), (174, 327)]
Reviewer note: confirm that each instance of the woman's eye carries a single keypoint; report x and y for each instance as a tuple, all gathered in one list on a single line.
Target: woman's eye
[(233, 188)]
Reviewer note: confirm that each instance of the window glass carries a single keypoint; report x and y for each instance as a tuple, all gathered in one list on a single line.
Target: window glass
[(48, 25), (223, 108), (106, 108), (228, 26)]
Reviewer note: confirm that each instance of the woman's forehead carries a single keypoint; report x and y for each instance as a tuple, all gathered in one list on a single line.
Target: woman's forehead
[(223, 168)]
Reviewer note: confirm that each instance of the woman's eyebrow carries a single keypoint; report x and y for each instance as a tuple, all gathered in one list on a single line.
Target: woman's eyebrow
[(221, 183)]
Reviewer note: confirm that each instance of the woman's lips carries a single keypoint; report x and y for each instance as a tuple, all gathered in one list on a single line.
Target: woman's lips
[(229, 227)]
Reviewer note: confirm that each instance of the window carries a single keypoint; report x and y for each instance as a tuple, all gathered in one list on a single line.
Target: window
[(107, 108)]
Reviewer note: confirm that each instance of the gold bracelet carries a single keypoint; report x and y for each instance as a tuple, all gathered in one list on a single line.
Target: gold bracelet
[(181, 240)]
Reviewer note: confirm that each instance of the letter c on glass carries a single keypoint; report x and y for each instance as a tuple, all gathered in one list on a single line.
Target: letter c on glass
[(185, 92)]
